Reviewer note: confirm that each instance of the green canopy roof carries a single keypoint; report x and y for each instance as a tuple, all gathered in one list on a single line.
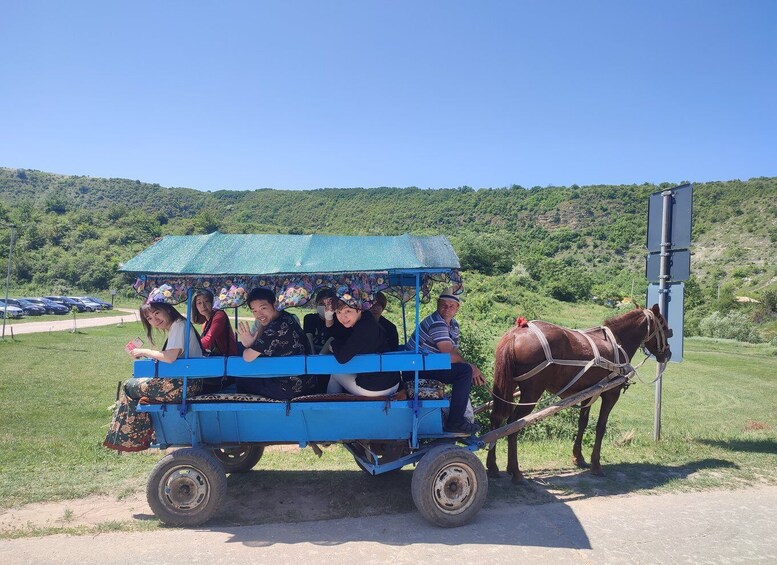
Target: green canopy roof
[(265, 254), (294, 267)]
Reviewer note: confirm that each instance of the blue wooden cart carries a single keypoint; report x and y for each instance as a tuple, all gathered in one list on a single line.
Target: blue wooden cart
[(449, 484)]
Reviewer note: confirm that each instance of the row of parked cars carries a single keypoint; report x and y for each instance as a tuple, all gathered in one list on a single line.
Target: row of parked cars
[(19, 307)]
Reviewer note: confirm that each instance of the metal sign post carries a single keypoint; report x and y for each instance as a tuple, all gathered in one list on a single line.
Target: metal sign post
[(8, 277), (669, 236), (663, 277)]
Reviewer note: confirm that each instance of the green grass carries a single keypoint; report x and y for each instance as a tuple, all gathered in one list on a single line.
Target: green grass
[(719, 431)]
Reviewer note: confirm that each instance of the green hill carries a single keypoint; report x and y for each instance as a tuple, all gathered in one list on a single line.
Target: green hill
[(568, 243)]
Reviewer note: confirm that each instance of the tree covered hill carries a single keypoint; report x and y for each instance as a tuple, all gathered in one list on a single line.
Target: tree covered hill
[(567, 242)]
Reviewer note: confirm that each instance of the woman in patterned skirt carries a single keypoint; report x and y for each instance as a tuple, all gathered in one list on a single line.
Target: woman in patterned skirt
[(131, 430)]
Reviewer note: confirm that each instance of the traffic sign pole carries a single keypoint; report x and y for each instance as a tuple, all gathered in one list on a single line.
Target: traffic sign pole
[(663, 279)]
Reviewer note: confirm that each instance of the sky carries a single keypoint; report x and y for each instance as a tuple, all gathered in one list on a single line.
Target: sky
[(435, 94)]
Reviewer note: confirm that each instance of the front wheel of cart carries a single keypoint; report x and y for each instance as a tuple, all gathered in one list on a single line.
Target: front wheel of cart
[(449, 486), (239, 459), (186, 487)]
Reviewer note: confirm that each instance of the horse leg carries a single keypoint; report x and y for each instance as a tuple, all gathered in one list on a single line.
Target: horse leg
[(609, 399), (491, 465), (512, 459), (528, 401), (577, 447)]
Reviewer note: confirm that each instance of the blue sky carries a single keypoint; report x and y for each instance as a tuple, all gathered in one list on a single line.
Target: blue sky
[(299, 95)]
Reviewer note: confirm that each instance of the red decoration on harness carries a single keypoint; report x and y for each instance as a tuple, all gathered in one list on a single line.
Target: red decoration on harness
[(521, 322)]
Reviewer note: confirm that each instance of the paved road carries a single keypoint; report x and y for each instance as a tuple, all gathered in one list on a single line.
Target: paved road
[(706, 527), (66, 323)]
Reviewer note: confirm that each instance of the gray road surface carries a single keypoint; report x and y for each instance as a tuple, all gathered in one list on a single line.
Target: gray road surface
[(125, 315), (705, 527)]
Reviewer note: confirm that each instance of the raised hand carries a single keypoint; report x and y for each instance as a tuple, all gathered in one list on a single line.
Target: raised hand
[(244, 334)]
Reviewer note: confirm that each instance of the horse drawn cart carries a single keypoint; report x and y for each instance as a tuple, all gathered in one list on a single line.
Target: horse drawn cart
[(226, 433)]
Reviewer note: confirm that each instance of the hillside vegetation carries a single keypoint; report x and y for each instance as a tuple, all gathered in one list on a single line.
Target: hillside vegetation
[(565, 243)]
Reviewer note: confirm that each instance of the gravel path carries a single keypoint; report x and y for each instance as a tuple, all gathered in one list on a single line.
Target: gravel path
[(702, 527)]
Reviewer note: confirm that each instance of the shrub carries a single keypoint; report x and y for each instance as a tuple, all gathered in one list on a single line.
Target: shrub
[(733, 325)]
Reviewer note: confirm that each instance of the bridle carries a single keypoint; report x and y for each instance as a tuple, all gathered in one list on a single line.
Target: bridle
[(661, 334)]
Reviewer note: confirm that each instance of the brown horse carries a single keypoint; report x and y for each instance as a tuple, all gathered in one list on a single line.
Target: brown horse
[(578, 360)]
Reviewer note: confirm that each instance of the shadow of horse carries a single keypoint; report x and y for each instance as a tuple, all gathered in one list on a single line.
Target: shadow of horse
[(624, 478), (743, 445)]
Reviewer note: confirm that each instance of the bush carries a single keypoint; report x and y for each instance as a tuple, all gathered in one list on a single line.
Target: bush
[(475, 348), (733, 325)]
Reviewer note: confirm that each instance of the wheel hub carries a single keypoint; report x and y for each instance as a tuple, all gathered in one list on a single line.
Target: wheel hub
[(186, 488), (453, 489)]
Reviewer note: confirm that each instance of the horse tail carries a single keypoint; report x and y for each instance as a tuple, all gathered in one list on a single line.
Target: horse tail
[(505, 369)]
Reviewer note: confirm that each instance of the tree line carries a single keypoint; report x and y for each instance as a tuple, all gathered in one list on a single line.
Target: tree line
[(569, 243)]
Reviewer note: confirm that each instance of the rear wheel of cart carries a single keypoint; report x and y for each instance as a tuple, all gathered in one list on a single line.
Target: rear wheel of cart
[(239, 459), (186, 487), (449, 486)]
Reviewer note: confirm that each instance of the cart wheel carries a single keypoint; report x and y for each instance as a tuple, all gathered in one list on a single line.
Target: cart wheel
[(186, 487), (239, 459), (449, 486)]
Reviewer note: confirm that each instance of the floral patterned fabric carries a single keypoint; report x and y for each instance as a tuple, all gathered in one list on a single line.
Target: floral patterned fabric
[(428, 389), (293, 290), (131, 430)]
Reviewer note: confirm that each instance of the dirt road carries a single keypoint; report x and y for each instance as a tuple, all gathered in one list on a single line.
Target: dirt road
[(703, 527)]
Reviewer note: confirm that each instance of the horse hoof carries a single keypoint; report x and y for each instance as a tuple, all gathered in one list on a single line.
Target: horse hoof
[(581, 463), (518, 479), (494, 474), (597, 471)]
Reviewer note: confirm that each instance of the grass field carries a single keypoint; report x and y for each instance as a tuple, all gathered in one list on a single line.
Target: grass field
[(719, 431)]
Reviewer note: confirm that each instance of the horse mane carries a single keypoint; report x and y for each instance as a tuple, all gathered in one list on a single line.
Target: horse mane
[(616, 321)]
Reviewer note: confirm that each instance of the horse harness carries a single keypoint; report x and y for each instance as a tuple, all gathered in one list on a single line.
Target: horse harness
[(620, 367)]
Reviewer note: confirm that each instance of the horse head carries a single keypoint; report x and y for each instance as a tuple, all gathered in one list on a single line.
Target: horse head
[(657, 335)]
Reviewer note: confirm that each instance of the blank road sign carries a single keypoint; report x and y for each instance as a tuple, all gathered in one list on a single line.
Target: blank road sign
[(679, 266), (680, 219)]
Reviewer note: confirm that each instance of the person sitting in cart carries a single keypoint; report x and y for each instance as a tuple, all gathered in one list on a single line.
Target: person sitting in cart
[(439, 333), (280, 335), (357, 332), (131, 430), (217, 337), (314, 324), (392, 335)]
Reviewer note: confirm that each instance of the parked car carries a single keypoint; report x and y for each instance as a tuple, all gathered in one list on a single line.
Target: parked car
[(13, 311), (105, 305), (50, 306), (64, 300), (91, 305), (28, 308)]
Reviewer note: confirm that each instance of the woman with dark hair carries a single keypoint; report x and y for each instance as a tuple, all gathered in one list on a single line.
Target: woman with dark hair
[(280, 335), (131, 430), (357, 333), (216, 337)]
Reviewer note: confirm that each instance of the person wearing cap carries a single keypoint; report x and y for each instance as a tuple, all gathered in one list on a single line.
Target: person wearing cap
[(357, 333), (439, 333)]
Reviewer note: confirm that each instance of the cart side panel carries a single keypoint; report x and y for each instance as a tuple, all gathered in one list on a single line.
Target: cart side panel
[(221, 423)]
